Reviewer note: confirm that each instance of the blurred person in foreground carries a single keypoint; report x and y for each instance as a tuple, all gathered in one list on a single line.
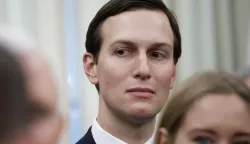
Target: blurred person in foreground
[(208, 108), (28, 92), (133, 47), (245, 75)]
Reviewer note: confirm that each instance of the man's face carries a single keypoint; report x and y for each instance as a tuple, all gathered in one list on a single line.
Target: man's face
[(135, 69)]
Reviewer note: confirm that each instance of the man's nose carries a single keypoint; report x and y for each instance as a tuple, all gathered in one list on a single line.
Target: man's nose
[(142, 69)]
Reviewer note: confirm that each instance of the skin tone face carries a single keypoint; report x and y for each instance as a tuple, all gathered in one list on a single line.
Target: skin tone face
[(135, 69), (42, 90), (216, 119)]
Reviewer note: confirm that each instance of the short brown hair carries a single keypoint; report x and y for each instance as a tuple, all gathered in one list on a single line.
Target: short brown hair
[(193, 89)]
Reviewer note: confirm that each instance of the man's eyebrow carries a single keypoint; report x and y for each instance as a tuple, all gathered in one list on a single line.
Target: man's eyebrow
[(125, 42), (162, 44), (133, 44)]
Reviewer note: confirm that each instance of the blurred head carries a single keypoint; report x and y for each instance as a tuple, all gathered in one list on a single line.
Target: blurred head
[(245, 75), (207, 108), (132, 50), (43, 124), (46, 123)]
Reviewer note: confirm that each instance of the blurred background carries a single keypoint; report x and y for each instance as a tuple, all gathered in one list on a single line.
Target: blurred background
[(215, 33)]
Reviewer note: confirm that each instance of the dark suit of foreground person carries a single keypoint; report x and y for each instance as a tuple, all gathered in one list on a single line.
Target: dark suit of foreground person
[(27, 93), (133, 47)]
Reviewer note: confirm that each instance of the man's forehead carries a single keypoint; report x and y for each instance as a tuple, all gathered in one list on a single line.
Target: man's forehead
[(127, 16), (113, 29)]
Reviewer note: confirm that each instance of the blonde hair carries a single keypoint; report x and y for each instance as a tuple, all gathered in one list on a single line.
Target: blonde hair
[(193, 89)]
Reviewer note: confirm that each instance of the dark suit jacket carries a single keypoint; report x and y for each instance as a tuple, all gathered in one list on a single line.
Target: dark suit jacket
[(87, 138)]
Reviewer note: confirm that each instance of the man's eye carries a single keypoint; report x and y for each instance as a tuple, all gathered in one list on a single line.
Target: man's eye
[(203, 140), (158, 55), (123, 52)]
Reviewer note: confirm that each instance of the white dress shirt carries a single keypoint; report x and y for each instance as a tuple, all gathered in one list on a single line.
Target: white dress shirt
[(103, 137)]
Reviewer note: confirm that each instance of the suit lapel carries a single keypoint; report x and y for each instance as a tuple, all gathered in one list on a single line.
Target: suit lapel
[(87, 138)]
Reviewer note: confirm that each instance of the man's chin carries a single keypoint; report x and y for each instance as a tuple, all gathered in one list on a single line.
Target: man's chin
[(144, 109), (143, 115)]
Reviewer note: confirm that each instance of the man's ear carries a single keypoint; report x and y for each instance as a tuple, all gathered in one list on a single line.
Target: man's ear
[(173, 77), (90, 68), (162, 136)]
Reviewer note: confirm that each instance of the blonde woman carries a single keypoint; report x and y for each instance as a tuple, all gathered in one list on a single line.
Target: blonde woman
[(207, 108)]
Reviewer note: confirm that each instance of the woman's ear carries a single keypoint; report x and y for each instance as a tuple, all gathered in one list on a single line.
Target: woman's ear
[(162, 136)]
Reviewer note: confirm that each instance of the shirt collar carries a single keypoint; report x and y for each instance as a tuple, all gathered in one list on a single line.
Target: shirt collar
[(100, 136)]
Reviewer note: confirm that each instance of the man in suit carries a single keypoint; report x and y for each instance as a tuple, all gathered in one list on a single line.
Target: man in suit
[(28, 92), (133, 47)]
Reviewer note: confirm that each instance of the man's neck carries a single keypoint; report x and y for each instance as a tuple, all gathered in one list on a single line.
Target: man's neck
[(124, 130)]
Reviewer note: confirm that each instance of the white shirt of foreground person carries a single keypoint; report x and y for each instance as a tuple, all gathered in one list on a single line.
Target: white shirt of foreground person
[(100, 136)]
